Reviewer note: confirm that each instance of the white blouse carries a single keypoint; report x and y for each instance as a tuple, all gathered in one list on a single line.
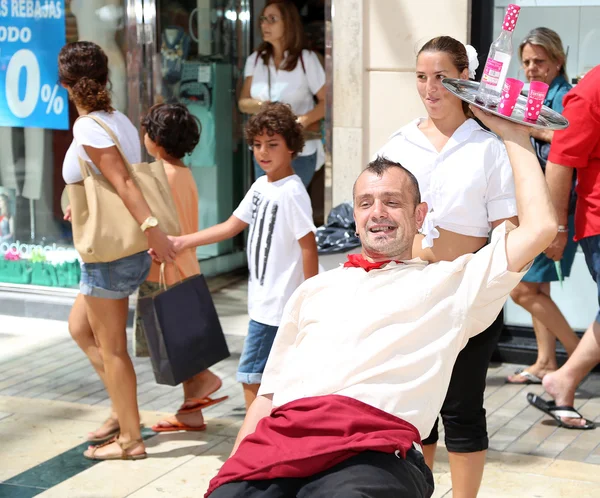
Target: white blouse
[(467, 185), (296, 88), (87, 132)]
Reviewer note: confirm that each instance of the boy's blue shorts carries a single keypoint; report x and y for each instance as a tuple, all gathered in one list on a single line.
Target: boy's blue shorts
[(257, 347)]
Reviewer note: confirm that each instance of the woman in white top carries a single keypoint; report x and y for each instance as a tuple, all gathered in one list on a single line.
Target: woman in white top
[(465, 177), (99, 316), (282, 71)]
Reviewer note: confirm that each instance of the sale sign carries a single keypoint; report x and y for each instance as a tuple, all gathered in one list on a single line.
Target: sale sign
[(32, 32)]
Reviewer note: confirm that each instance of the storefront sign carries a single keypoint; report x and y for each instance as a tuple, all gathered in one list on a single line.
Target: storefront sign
[(32, 32)]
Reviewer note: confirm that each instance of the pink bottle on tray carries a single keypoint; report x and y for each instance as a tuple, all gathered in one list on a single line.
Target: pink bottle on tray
[(496, 67)]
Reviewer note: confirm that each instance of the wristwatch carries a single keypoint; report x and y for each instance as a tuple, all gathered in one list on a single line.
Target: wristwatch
[(149, 222)]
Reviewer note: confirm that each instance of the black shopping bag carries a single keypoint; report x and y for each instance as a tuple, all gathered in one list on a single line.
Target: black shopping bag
[(183, 331)]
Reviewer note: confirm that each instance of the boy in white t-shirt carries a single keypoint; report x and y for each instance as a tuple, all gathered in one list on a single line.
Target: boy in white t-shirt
[(282, 251)]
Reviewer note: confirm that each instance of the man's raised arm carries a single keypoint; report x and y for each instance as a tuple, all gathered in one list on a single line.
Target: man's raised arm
[(537, 218)]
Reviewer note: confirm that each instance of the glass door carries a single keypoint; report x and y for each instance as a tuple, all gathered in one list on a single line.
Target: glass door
[(194, 54)]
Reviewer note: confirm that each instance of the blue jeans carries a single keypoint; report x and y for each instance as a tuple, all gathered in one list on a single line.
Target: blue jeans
[(117, 279), (591, 250), (304, 167), (255, 354)]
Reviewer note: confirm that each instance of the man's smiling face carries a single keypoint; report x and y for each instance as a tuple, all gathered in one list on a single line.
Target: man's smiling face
[(387, 214)]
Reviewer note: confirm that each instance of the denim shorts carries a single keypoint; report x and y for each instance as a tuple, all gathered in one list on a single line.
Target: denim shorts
[(117, 279), (304, 167), (257, 347), (591, 250)]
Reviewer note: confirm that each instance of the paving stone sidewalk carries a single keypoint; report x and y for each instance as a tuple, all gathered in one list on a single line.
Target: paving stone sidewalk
[(47, 365), (58, 370)]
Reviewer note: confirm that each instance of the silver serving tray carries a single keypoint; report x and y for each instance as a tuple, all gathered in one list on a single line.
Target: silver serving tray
[(467, 90)]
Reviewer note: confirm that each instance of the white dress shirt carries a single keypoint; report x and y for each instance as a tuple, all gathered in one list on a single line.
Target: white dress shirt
[(467, 185), (388, 337), (296, 88)]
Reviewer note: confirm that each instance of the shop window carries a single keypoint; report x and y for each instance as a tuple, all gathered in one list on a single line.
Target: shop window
[(36, 245)]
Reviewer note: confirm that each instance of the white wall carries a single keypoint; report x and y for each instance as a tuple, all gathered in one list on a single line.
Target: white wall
[(397, 29), (375, 43)]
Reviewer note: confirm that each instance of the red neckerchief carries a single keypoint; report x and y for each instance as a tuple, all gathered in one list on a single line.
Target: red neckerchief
[(357, 261)]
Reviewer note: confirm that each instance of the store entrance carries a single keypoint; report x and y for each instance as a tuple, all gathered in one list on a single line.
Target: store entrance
[(195, 56), (312, 14)]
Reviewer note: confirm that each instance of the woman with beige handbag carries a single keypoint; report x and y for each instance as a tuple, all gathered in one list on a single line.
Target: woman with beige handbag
[(118, 211)]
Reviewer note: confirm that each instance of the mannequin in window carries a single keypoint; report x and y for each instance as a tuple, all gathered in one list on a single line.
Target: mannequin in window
[(174, 50), (98, 21), (11, 167), (7, 221)]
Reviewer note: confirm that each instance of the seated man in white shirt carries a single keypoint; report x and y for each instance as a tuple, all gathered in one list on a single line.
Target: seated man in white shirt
[(362, 360)]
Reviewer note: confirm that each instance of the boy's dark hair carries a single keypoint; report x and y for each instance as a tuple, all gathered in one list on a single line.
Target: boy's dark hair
[(277, 119), (172, 127)]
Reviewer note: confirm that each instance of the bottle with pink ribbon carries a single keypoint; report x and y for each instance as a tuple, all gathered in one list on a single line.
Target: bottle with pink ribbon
[(496, 67)]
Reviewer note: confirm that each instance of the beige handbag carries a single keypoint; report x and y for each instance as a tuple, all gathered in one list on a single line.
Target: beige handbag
[(103, 228)]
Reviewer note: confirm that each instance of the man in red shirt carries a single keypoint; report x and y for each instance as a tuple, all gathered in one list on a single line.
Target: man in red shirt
[(578, 146)]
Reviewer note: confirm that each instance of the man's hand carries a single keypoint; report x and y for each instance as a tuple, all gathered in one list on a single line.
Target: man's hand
[(504, 128), (556, 249)]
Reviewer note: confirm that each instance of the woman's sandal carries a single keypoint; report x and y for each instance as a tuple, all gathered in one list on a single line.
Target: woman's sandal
[(106, 437), (90, 453), (109, 436)]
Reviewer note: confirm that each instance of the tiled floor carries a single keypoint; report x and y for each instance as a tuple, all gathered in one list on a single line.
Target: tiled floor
[(50, 398)]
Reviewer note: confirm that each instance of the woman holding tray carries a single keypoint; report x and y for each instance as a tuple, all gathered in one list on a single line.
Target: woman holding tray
[(465, 177)]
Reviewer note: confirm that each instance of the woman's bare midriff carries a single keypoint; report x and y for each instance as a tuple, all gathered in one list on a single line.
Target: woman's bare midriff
[(448, 247)]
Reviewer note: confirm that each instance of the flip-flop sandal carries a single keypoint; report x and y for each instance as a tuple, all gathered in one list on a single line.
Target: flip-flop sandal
[(540, 403), (178, 426), (200, 404), (559, 412), (90, 453), (528, 377)]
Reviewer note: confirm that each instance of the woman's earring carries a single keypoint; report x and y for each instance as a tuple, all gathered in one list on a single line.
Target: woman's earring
[(357, 235)]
